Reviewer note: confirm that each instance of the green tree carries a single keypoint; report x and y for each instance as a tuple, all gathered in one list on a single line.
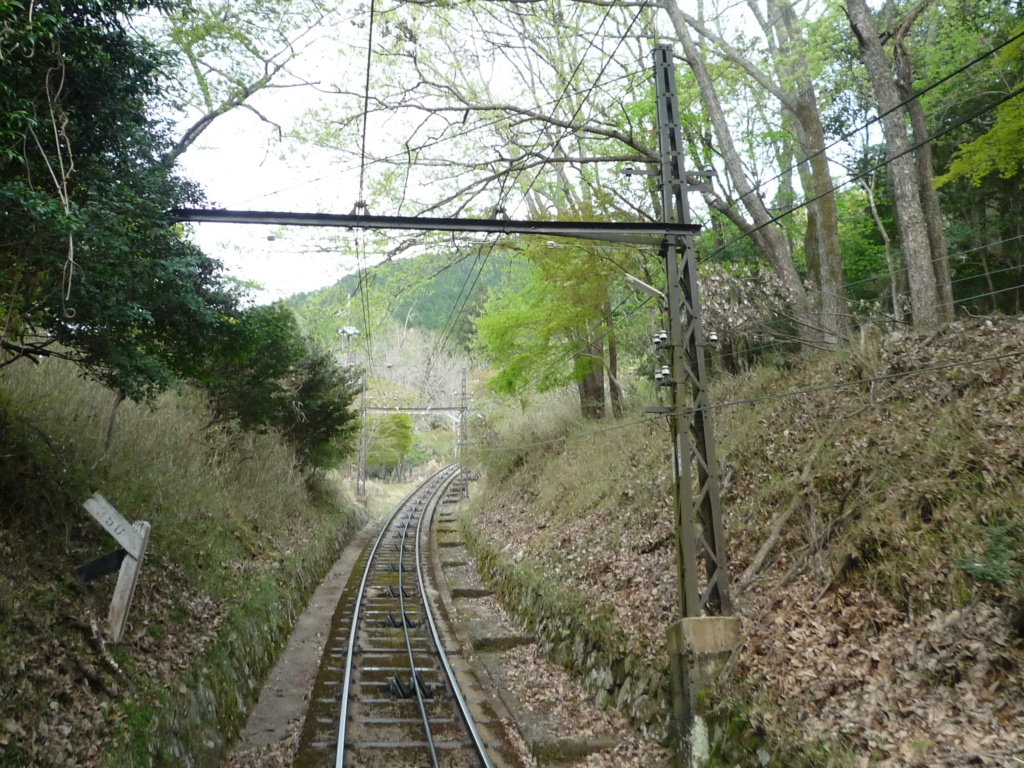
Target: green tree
[(265, 375), (226, 52), (249, 364), (88, 257), (548, 328), (391, 437), (321, 424), (999, 150)]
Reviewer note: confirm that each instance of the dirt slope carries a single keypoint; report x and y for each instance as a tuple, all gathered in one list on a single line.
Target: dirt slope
[(883, 614)]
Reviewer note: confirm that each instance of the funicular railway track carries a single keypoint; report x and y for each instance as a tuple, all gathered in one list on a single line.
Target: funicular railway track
[(386, 694)]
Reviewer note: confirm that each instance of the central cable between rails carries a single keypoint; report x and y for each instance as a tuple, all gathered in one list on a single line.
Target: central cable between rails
[(354, 627), (405, 622)]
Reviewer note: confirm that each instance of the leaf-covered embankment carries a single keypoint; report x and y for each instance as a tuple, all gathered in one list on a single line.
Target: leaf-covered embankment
[(876, 537), (239, 540)]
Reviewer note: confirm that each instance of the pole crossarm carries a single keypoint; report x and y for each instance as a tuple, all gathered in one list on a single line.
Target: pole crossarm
[(637, 233)]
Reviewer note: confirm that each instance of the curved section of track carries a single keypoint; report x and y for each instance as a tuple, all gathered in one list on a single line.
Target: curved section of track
[(387, 694)]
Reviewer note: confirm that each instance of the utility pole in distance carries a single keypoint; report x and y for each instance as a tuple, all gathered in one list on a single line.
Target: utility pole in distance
[(361, 474), (460, 446), (705, 636)]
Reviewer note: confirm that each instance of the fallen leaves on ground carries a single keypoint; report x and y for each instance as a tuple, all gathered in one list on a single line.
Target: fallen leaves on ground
[(862, 622)]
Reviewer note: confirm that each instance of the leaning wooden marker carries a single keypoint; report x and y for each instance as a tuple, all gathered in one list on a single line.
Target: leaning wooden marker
[(134, 539)]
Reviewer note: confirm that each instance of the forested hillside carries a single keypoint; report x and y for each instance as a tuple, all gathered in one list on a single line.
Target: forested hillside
[(422, 292)]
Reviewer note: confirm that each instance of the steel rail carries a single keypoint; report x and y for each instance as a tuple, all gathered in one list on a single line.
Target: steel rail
[(354, 628), (463, 706), (405, 622)]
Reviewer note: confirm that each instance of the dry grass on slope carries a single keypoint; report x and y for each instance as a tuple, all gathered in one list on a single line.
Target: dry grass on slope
[(885, 527), (230, 515)]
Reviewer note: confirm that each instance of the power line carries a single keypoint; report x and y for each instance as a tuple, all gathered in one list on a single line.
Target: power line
[(875, 119), (360, 203), (775, 219)]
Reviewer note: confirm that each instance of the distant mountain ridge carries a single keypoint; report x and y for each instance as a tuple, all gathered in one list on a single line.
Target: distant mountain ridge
[(431, 292)]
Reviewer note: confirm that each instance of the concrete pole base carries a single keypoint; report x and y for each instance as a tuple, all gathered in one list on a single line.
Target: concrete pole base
[(698, 649)]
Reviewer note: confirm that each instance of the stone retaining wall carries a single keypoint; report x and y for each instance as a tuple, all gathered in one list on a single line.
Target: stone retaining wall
[(200, 722), (583, 640)]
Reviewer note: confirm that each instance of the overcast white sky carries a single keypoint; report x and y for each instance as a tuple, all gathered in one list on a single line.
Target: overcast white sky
[(239, 164)]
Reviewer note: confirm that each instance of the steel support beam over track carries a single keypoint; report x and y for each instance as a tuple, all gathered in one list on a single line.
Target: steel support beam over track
[(408, 409), (638, 233)]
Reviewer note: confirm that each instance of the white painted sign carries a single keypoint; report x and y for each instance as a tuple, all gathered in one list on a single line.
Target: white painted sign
[(117, 618), (134, 539), (122, 531)]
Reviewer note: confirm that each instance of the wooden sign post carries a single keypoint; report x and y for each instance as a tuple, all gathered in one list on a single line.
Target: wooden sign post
[(133, 539)]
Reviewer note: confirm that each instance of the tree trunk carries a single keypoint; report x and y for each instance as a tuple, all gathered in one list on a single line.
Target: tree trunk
[(894, 282), (591, 386), (768, 237), (910, 216), (817, 180), (728, 355), (926, 185), (614, 388), (832, 304)]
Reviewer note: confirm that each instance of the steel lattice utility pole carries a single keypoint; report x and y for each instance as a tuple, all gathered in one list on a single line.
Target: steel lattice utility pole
[(698, 513), (704, 637), (363, 440)]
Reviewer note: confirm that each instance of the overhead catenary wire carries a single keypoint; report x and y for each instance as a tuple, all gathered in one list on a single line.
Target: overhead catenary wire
[(366, 104), (360, 201), (453, 315), (363, 163)]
